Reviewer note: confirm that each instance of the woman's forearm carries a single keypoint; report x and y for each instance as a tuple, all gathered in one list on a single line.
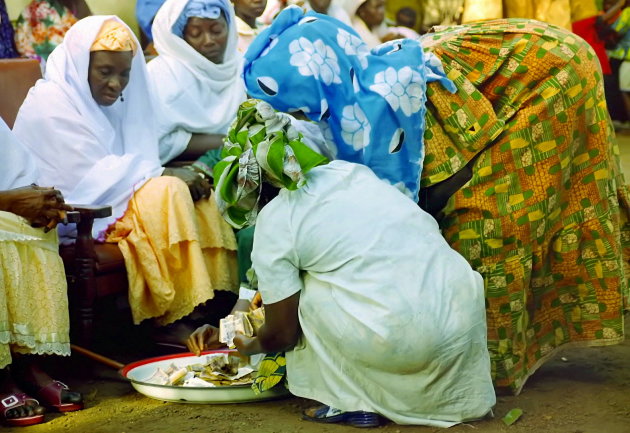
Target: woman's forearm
[(278, 341), (199, 144)]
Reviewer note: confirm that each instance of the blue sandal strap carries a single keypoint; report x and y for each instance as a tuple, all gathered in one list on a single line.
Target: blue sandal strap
[(362, 419)]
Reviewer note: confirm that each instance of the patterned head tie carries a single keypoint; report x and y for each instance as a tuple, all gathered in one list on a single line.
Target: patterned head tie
[(261, 145), (114, 36), (210, 9), (369, 105)]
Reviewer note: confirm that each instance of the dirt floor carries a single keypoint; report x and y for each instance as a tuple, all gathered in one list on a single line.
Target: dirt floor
[(582, 390), (585, 390)]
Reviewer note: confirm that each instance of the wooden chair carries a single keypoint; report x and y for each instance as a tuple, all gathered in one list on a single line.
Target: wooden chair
[(17, 76), (93, 270)]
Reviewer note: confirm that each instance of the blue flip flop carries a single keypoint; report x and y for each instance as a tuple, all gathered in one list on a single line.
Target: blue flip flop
[(330, 415)]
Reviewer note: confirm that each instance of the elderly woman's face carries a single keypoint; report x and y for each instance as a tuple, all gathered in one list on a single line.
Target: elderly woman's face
[(108, 75), (372, 12), (208, 37)]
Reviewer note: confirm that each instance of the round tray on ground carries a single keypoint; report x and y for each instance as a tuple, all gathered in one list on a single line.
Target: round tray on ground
[(140, 370)]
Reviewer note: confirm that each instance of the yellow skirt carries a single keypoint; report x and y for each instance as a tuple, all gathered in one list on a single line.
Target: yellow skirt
[(177, 252), (33, 296)]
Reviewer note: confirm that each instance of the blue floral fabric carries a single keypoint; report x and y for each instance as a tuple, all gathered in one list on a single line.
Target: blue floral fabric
[(370, 105), (201, 9)]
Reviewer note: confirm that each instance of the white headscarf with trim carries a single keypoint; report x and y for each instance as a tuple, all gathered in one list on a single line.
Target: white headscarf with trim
[(196, 95), (93, 154)]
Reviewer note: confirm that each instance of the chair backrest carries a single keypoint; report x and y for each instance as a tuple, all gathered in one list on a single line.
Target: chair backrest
[(17, 76)]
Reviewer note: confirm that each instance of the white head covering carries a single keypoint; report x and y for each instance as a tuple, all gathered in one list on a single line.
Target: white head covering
[(196, 95), (93, 154), (17, 168), (371, 37)]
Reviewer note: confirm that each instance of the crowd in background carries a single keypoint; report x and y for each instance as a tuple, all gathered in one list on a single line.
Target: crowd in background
[(41, 24)]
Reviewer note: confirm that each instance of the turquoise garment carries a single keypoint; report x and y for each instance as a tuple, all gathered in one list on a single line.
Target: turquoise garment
[(370, 105), (207, 161)]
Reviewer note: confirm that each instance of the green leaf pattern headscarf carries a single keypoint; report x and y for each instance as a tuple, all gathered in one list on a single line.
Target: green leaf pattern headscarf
[(261, 145)]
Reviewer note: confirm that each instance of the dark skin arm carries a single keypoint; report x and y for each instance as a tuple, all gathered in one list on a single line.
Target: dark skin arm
[(200, 144), (280, 332), (207, 336), (42, 207), (199, 186)]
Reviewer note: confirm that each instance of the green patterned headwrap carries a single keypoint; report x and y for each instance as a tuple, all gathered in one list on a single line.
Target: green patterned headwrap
[(261, 145)]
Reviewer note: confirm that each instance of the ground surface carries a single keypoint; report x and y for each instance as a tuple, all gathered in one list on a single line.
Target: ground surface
[(584, 390)]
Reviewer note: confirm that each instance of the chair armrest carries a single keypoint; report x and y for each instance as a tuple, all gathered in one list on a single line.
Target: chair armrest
[(84, 216), (92, 211)]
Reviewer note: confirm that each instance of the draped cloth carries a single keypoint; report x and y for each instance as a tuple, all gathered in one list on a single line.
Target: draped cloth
[(182, 251), (195, 94), (544, 216), (370, 105), (33, 291), (105, 155), (93, 154), (17, 166), (33, 299)]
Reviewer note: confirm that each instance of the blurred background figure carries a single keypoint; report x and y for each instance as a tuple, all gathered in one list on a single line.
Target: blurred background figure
[(406, 17), (42, 25), (7, 43), (145, 13), (248, 22), (328, 7), (617, 42)]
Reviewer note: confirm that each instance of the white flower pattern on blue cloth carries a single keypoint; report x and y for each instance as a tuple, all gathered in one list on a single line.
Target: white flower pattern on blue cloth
[(316, 59), (369, 105), (353, 46), (355, 128), (401, 89)]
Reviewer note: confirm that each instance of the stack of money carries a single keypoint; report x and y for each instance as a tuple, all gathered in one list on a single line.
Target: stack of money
[(233, 324)]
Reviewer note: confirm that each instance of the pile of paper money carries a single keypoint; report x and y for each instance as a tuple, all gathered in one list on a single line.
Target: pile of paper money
[(240, 322)]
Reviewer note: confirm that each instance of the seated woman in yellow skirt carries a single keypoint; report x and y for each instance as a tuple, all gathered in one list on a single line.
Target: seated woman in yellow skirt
[(33, 292), (90, 125), (520, 166)]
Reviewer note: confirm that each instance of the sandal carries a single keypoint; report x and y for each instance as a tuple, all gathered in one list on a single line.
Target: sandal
[(50, 395), (14, 401), (360, 419)]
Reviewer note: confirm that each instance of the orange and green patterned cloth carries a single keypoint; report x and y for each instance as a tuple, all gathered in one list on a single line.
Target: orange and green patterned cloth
[(41, 27), (544, 217)]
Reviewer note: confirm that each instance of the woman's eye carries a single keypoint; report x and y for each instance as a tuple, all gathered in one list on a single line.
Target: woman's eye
[(104, 71)]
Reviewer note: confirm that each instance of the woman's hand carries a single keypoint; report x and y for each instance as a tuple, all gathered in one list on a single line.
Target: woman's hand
[(247, 345), (42, 207), (203, 338), (198, 185)]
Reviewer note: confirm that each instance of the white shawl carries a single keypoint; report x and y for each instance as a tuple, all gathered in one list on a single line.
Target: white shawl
[(93, 154), (17, 167), (196, 95)]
